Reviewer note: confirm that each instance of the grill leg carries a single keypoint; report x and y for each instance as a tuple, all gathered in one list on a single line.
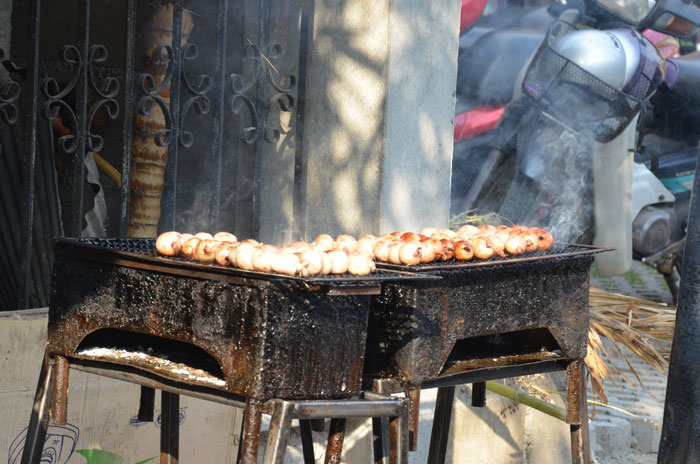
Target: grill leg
[(336, 436), (279, 432), (169, 428), (39, 419), (441, 425), (250, 437), (413, 413), (59, 408), (307, 441), (146, 404), (577, 412), (479, 394)]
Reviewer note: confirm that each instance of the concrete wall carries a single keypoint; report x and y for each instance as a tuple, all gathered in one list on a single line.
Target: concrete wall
[(379, 115)]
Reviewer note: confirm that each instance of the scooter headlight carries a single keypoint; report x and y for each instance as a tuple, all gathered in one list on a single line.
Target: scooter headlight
[(632, 11)]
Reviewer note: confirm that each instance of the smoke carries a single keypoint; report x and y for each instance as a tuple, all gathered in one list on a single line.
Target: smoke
[(564, 202), (543, 177)]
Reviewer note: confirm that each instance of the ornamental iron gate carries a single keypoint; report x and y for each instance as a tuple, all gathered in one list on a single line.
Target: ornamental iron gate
[(126, 118)]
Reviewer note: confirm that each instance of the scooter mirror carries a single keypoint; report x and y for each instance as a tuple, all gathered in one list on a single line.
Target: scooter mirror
[(677, 25), (679, 18)]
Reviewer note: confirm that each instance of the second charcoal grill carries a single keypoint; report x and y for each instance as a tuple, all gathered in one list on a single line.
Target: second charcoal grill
[(493, 319)]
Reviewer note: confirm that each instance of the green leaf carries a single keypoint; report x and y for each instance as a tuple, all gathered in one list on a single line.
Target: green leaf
[(96, 456), (147, 460)]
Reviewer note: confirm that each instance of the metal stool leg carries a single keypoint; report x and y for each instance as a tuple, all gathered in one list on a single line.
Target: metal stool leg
[(400, 436), (336, 436), (380, 436), (59, 407), (577, 412), (279, 432), (250, 438), (39, 419), (307, 441), (169, 428), (414, 395), (441, 425)]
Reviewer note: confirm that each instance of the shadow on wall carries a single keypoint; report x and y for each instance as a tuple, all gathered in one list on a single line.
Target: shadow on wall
[(379, 111)]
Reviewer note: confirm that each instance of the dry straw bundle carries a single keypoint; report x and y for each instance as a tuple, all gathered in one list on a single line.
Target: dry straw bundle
[(643, 327)]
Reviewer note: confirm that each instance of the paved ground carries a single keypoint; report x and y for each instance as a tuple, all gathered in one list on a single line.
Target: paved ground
[(618, 437)]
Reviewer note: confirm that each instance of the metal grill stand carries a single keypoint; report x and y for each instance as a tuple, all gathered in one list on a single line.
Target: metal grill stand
[(576, 408), (480, 322), (50, 404), (288, 347)]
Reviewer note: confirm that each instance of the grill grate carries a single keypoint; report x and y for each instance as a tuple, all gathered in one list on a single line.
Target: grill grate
[(556, 252), (141, 253)]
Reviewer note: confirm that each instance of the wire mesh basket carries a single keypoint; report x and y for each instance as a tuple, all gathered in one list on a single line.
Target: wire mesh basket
[(577, 98)]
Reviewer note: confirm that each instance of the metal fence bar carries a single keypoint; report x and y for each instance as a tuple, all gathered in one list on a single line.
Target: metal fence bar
[(261, 110), (218, 113), (168, 208), (82, 88), (300, 171), (29, 137), (129, 95)]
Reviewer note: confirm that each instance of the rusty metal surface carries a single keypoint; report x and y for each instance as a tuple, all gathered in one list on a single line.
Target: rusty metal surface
[(250, 438), (518, 310), (577, 412), (336, 436), (265, 338), (59, 408), (413, 418)]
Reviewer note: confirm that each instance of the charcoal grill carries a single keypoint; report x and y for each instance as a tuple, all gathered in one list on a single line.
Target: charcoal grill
[(255, 336), (482, 320)]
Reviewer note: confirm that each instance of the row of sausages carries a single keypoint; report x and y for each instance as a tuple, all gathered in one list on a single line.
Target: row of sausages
[(345, 254), (467, 243), (298, 258)]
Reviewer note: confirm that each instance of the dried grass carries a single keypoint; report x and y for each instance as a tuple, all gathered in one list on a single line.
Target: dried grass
[(643, 327), (470, 217)]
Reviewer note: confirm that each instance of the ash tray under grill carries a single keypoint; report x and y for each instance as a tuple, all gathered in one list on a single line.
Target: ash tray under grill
[(556, 252), (142, 254)]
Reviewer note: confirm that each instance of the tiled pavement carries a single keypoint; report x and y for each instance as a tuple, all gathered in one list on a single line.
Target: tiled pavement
[(618, 437)]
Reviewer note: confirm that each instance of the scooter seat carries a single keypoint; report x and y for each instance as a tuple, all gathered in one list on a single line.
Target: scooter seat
[(686, 85)]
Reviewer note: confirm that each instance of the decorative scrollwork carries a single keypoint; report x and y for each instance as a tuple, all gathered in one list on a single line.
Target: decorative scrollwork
[(189, 52), (200, 101), (9, 94), (56, 104), (98, 54), (238, 101), (163, 137), (282, 86), (202, 106), (162, 54), (164, 57)]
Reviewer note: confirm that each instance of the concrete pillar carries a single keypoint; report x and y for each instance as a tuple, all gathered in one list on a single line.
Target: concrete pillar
[(378, 118)]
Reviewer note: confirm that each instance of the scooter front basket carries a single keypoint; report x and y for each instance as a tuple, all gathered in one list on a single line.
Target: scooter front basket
[(575, 97)]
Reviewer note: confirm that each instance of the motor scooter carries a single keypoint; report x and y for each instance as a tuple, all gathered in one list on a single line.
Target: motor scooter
[(514, 157)]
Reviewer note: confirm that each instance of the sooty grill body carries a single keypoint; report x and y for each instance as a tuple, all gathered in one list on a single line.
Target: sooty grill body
[(481, 314), (267, 337)]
